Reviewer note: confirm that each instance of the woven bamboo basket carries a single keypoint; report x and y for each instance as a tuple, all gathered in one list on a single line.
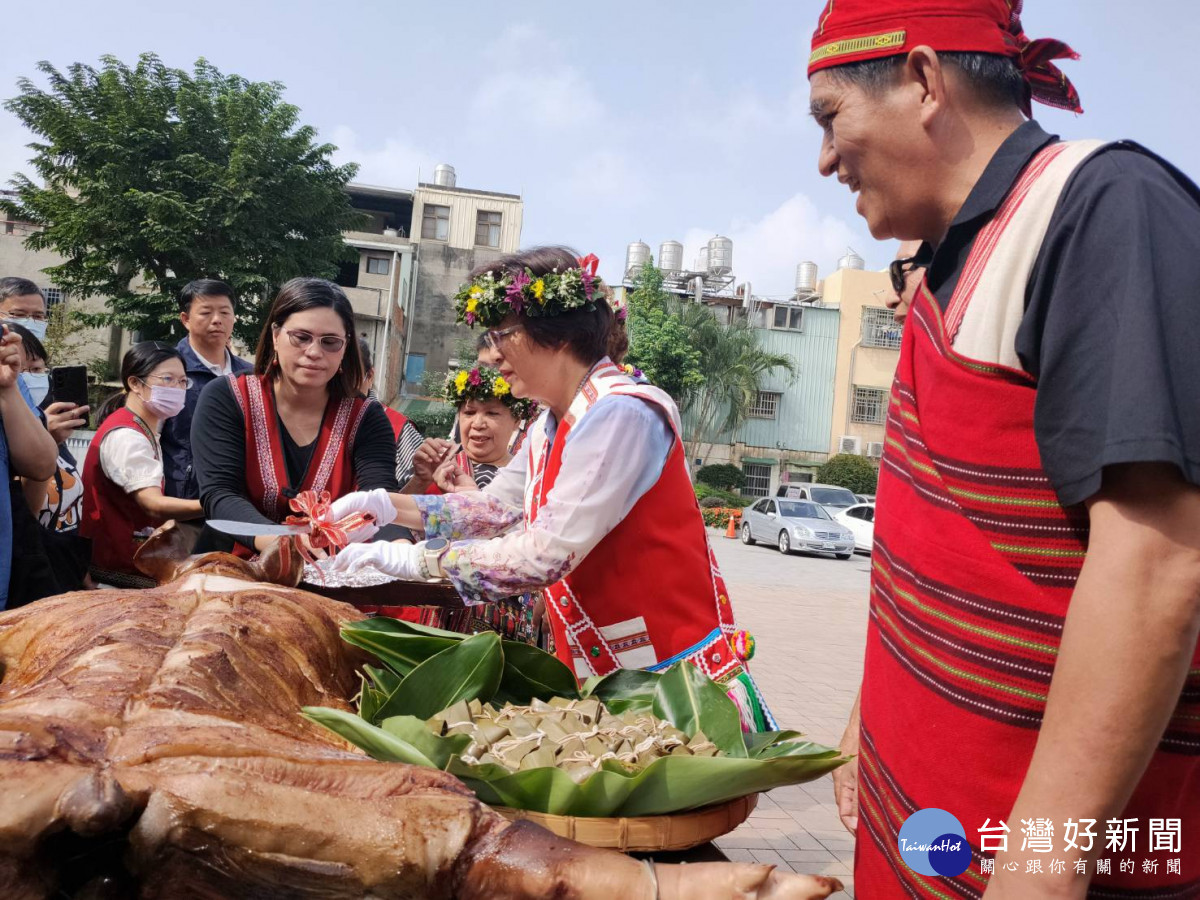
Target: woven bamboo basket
[(645, 834)]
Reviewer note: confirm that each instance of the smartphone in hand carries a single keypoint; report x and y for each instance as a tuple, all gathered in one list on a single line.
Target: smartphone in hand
[(69, 384)]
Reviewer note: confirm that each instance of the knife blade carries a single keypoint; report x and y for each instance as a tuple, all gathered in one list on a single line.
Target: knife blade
[(256, 529)]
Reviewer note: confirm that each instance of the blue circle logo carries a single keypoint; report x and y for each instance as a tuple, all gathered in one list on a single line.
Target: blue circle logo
[(933, 842)]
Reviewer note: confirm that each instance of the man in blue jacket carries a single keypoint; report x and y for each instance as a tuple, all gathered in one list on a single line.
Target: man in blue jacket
[(206, 308)]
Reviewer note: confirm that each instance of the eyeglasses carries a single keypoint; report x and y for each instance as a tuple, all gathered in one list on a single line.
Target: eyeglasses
[(36, 314), (495, 336), (899, 269), (330, 343), (170, 381)]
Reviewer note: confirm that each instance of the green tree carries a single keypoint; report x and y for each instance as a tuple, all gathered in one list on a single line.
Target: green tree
[(734, 365), (659, 342), (722, 475), (855, 473), (153, 176)]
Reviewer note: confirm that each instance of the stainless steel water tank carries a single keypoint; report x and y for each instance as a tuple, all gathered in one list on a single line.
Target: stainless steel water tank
[(443, 175), (720, 255), (806, 278), (636, 256), (670, 257), (851, 261)]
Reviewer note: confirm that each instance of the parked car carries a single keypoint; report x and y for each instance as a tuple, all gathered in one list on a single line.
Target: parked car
[(860, 519), (830, 496), (865, 498), (796, 525)]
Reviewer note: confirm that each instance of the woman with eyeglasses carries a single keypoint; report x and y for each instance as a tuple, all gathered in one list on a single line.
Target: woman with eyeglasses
[(123, 499), (298, 422), (597, 509)]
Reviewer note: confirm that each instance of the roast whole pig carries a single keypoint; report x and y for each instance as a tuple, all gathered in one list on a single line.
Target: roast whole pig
[(151, 746)]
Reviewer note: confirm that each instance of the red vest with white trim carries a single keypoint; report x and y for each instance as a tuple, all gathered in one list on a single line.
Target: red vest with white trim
[(331, 467), (975, 564), (650, 591), (111, 517)]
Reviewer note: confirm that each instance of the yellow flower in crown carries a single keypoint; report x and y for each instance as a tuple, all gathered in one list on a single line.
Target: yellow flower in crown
[(500, 386), (539, 291), (460, 383), (472, 304), (476, 292)]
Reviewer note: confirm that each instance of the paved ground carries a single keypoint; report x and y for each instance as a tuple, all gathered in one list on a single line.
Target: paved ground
[(808, 615)]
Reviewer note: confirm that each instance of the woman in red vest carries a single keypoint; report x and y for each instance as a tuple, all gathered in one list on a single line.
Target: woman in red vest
[(123, 500), (597, 510), (297, 423)]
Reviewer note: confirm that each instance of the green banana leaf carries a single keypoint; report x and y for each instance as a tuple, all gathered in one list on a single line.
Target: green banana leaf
[(531, 673), (624, 690), (670, 784), (465, 671), (374, 740), (413, 731), (761, 740), (382, 679), (401, 656), (692, 702)]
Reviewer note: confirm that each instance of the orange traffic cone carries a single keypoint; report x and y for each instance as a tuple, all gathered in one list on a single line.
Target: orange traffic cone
[(731, 530)]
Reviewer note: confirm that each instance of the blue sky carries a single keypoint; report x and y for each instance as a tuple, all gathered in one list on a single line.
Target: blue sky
[(617, 121)]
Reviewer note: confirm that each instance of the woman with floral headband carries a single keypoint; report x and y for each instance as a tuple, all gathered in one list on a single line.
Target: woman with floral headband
[(597, 510)]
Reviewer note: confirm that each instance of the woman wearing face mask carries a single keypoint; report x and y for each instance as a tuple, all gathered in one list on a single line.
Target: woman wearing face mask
[(297, 423), (57, 503), (597, 509), (123, 498)]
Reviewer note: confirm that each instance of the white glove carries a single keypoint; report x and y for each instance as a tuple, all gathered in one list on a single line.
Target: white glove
[(398, 560), (377, 502)]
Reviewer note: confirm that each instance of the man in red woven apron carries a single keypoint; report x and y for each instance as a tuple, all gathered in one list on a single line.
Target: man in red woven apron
[(1031, 664)]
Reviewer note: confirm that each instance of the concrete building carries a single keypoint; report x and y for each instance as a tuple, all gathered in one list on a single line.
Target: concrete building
[(868, 350), (786, 437), (456, 229)]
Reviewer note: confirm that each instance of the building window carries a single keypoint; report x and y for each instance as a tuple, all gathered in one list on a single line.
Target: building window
[(765, 406), (487, 229), (870, 406), (758, 480), (788, 318), (54, 296), (435, 223), (378, 265), (880, 328)]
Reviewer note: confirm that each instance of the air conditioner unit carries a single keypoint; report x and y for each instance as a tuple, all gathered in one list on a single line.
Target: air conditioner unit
[(849, 444), (875, 449)]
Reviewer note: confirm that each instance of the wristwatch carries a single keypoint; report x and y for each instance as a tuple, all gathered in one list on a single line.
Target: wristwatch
[(431, 559)]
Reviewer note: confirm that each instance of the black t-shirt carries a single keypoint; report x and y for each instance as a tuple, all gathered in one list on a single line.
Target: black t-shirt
[(1112, 310), (220, 461)]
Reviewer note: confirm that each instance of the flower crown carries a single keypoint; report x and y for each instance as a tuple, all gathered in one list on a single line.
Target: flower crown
[(488, 299), (482, 383)]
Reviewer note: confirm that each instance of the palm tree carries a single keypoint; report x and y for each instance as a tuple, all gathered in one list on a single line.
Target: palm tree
[(734, 365)]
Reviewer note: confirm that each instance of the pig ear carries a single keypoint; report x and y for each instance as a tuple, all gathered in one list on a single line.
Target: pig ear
[(163, 553)]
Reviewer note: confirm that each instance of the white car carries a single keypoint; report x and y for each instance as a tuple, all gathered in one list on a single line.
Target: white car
[(860, 519)]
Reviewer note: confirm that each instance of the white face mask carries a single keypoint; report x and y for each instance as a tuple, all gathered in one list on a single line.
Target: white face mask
[(37, 327), (38, 385), (166, 402)]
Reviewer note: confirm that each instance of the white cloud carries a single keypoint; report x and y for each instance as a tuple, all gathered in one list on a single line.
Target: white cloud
[(767, 250), (529, 80), (394, 164)]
